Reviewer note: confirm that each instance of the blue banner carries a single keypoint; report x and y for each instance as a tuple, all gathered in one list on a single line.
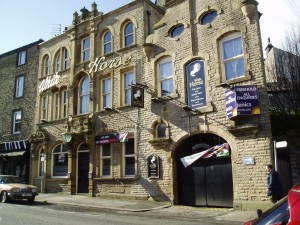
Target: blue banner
[(195, 84)]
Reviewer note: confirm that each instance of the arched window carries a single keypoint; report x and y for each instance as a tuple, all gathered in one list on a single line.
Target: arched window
[(165, 77), (161, 130), (208, 17), (46, 65), (66, 59), (60, 161), (107, 43), (57, 63), (176, 30), (84, 96), (128, 34)]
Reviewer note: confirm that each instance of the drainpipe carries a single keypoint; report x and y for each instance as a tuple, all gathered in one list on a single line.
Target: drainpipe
[(148, 20)]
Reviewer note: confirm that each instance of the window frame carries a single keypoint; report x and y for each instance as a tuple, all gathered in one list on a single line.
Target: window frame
[(84, 96), (64, 103), (107, 43), (86, 53), (128, 35), (22, 58), (230, 37), (177, 27), (16, 128), (58, 63), (19, 89), (126, 89), (66, 153), (125, 156), (56, 105), (165, 60), (107, 95), (104, 158), (46, 66), (66, 58), (44, 107)]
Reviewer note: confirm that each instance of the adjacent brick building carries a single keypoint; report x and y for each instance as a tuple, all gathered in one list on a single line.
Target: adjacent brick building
[(123, 97), (18, 77)]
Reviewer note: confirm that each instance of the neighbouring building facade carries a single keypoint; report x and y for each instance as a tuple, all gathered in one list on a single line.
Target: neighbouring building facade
[(18, 77), (165, 101)]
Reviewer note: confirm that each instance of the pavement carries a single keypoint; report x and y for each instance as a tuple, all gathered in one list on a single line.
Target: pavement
[(219, 214)]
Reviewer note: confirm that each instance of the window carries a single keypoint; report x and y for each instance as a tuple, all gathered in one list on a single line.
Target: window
[(177, 30), (64, 103), (233, 65), (19, 86), (128, 34), (57, 65), (56, 105), (22, 58), (17, 122), (60, 161), (44, 108), (129, 158), (66, 58), (107, 44), (46, 66), (208, 17), (86, 49), (106, 93), (165, 77), (161, 131), (84, 96), (106, 160), (128, 80)]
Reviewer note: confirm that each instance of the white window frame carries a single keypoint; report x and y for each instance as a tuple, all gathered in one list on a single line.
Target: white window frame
[(106, 94), (229, 37), (58, 63), (86, 54), (125, 156), (126, 35), (169, 77), (47, 66), (66, 153), (66, 59), (17, 121), (102, 158), (105, 43), (22, 58), (127, 87), (20, 86), (64, 103), (56, 100), (44, 107), (84, 96)]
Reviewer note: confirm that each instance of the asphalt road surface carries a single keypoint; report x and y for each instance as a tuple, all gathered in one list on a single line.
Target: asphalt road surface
[(22, 213)]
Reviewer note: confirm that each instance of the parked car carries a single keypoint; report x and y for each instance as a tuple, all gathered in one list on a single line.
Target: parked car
[(284, 212), (12, 187)]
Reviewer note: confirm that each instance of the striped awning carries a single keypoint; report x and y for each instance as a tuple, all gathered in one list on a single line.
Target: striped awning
[(14, 146)]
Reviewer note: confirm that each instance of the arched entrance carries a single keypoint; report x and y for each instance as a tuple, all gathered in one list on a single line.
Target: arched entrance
[(83, 158), (208, 180)]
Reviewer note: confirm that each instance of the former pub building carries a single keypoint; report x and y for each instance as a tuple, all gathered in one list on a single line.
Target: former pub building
[(162, 100)]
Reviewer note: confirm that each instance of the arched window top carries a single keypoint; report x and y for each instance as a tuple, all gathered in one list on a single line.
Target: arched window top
[(83, 147), (46, 63), (208, 17), (161, 130), (60, 149), (107, 42), (128, 34), (176, 30), (85, 86)]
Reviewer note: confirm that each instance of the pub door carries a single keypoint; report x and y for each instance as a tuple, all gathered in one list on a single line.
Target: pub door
[(83, 171)]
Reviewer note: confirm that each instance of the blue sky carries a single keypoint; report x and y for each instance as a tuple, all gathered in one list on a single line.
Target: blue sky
[(26, 21)]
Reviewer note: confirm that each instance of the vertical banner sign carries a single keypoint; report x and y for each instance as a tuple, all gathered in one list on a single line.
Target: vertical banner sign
[(242, 100), (137, 96), (153, 166), (195, 84)]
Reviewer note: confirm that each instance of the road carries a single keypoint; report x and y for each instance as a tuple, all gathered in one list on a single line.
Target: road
[(21, 213)]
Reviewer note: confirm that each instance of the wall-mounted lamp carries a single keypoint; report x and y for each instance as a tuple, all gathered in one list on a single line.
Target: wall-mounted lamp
[(249, 7), (67, 136)]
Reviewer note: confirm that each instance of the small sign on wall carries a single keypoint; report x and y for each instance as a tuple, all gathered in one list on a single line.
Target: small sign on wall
[(153, 166)]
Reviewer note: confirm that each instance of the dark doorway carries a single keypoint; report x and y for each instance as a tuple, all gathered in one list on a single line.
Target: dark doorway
[(83, 172), (206, 182)]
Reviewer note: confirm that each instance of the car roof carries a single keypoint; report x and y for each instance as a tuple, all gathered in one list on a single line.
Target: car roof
[(294, 194)]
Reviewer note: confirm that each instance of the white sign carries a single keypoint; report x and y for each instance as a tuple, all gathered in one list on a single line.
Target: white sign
[(101, 63), (49, 82), (281, 144)]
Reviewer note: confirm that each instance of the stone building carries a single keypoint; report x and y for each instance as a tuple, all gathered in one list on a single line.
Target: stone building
[(18, 77), (128, 99)]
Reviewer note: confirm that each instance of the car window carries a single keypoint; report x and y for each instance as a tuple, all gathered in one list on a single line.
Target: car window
[(13, 180), (278, 213)]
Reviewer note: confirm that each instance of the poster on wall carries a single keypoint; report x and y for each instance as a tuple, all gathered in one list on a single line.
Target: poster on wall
[(137, 96), (242, 100), (195, 84)]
